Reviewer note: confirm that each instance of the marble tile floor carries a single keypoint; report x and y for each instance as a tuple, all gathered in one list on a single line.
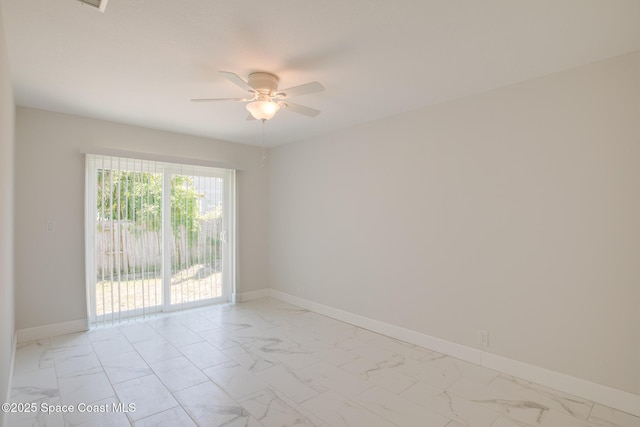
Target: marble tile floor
[(265, 363)]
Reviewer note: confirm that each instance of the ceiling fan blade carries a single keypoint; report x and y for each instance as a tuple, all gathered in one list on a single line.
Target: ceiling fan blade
[(219, 99), (301, 109), (305, 89), (237, 80)]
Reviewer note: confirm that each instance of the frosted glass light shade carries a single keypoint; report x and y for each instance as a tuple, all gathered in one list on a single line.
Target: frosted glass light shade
[(263, 110)]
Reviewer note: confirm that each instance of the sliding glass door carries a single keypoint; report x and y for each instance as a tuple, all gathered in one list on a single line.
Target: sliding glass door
[(198, 239), (159, 236)]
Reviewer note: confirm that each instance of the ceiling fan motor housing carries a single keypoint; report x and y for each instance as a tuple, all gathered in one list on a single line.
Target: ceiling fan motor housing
[(265, 83)]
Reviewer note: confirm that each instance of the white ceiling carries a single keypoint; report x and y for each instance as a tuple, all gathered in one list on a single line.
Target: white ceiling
[(141, 61)]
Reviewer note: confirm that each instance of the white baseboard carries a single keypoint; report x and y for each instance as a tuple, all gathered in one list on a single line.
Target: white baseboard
[(594, 392), (436, 344), (614, 398), (251, 295), (52, 330)]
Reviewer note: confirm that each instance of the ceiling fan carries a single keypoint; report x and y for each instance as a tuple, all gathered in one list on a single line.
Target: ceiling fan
[(265, 99)]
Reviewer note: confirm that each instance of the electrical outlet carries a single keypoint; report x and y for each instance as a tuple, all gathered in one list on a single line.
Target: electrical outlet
[(51, 226), (483, 338)]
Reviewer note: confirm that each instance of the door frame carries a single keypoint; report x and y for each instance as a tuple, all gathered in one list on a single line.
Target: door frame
[(167, 169)]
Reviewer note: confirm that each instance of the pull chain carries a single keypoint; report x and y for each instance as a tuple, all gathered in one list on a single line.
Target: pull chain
[(264, 147)]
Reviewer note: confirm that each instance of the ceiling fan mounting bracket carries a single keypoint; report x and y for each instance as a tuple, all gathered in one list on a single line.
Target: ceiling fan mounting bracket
[(265, 83)]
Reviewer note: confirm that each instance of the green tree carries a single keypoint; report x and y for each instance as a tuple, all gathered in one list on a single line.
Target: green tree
[(136, 197), (184, 206), (130, 196)]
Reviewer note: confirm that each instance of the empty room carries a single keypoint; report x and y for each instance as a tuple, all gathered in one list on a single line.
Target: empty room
[(368, 213)]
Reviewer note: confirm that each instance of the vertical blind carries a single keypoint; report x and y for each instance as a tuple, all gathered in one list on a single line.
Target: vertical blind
[(157, 236)]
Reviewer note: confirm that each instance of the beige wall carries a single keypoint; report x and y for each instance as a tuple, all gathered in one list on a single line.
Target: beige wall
[(7, 109), (50, 284), (515, 211)]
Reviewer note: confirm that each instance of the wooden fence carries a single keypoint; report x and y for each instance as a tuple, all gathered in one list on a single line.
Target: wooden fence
[(126, 248)]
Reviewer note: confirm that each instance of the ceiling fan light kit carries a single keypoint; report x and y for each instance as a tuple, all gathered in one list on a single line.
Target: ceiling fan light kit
[(263, 110), (266, 99)]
